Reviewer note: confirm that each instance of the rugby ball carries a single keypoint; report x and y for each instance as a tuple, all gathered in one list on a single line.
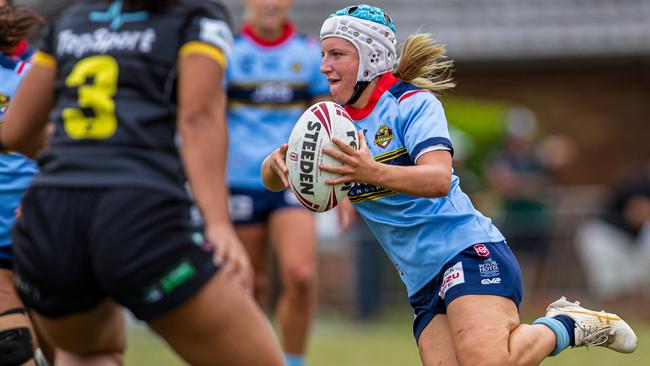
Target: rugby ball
[(314, 131)]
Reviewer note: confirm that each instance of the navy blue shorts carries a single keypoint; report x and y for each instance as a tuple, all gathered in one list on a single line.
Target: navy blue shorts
[(252, 206), (481, 269)]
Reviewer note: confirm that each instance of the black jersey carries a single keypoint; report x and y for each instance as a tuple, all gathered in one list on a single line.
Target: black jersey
[(115, 102)]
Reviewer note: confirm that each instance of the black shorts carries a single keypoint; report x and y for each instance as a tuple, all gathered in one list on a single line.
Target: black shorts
[(6, 258), (76, 247)]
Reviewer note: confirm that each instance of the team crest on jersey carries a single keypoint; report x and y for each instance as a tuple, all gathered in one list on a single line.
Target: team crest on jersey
[(384, 136), (481, 250), (296, 67), (116, 17), (4, 102)]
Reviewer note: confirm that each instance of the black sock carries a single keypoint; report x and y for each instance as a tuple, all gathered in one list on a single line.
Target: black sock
[(570, 325)]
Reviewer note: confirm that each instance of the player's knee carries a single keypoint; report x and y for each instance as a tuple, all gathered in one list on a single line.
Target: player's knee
[(16, 346), (300, 278)]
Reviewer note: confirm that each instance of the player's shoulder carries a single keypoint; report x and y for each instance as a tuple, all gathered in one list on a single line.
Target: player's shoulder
[(408, 98), (402, 91)]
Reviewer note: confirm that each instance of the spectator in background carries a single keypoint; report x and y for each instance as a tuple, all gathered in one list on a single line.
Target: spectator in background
[(274, 76), (518, 176), (615, 247)]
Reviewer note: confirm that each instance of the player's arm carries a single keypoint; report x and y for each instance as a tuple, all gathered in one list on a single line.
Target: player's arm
[(202, 126), (429, 177), (23, 128)]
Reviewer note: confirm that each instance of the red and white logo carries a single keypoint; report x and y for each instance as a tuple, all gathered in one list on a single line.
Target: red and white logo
[(481, 250), (452, 277)]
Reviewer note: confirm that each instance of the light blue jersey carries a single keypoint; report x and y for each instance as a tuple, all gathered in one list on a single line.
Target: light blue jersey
[(16, 171), (420, 235), (270, 84)]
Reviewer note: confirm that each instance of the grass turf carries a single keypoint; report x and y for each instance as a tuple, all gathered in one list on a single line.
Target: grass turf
[(387, 341)]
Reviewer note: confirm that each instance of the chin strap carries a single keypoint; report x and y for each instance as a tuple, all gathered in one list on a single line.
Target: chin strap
[(359, 87)]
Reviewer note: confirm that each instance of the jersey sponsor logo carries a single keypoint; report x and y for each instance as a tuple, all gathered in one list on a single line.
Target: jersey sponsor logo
[(491, 281), (362, 192), (103, 40), (170, 281), (4, 102), (217, 33), (273, 92), (481, 250), (489, 268), (115, 16), (453, 276), (384, 136), (241, 207)]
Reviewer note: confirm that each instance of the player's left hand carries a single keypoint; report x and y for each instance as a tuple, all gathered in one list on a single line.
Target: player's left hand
[(358, 165)]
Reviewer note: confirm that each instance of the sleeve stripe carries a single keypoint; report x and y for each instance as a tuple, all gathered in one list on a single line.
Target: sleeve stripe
[(430, 142), (410, 94), (41, 58), (196, 47)]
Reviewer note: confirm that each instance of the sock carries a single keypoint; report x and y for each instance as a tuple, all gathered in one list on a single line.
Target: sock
[(570, 325), (561, 334), (294, 360)]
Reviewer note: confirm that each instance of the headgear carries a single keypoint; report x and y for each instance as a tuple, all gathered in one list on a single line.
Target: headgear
[(372, 33)]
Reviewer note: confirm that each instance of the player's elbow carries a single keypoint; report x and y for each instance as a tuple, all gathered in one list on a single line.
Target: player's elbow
[(440, 187), (197, 120), (14, 141)]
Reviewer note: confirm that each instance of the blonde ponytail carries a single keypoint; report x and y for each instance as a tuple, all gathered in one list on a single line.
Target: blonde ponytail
[(420, 64)]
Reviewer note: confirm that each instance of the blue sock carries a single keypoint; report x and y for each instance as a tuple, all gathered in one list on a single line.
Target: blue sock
[(562, 337), (294, 360), (570, 325)]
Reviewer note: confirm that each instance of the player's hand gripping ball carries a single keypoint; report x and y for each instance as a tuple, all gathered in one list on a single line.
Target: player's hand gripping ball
[(314, 131)]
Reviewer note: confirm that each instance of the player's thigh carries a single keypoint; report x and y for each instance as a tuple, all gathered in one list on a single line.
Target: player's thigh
[(435, 344), (293, 235), (220, 325), (98, 330), (481, 326)]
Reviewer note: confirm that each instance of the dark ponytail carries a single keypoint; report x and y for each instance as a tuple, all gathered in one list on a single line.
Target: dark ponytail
[(16, 23)]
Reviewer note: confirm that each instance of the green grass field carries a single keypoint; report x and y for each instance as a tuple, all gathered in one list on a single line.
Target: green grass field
[(340, 341)]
